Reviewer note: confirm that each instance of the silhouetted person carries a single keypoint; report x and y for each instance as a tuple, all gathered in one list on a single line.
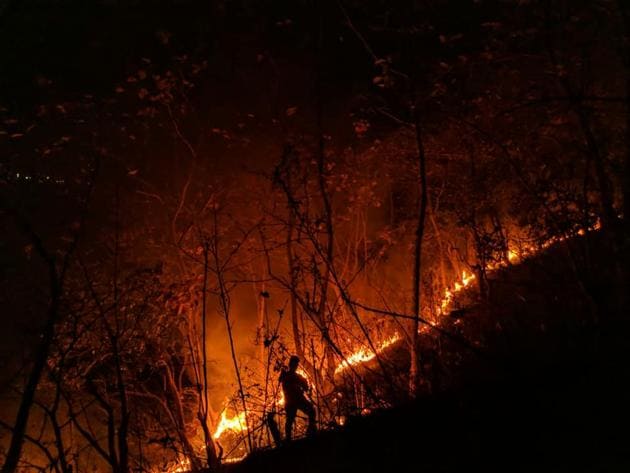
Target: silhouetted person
[(294, 387)]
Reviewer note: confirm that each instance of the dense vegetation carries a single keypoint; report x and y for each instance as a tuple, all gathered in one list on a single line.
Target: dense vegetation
[(191, 192)]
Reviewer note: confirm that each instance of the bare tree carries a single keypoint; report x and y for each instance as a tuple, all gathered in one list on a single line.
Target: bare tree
[(57, 272)]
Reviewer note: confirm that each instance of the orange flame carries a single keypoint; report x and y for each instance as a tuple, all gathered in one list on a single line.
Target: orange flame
[(457, 287), (366, 354), (236, 424), (280, 400)]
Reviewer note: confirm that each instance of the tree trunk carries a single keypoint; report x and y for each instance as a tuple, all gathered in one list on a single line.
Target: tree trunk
[(211, 452), (297, 340), (263, 329), (225, 308), (174, 405), (414, 372), (41, 355)]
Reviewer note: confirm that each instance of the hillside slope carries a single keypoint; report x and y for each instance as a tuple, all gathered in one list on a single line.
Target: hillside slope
[(550, 392)]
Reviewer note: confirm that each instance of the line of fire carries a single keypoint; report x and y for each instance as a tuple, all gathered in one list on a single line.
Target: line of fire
[(314, 235)]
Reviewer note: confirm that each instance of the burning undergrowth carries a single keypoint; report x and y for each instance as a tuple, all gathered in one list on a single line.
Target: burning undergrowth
[(531, 309), (531, 345)]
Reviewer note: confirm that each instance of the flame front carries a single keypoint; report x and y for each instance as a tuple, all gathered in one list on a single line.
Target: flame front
[(457, 287), (366, 354), (236, 424)]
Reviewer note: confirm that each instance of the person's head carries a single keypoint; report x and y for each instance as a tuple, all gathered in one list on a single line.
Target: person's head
[(294, 361)]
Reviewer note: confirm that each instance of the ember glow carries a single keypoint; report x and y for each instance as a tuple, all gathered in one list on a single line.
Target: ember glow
[(180, 467)]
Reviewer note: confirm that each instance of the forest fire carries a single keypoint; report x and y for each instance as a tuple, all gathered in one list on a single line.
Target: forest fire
[(407, 198), (237, 424), (366, 354), (449, 293), (465, 281)]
